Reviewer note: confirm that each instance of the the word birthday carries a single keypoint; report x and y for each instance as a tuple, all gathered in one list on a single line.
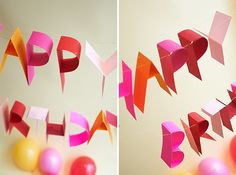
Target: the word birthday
[(13, 118), (221, 115)]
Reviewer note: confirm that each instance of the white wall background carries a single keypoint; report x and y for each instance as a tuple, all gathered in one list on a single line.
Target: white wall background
[(94, 21), (143, 24)]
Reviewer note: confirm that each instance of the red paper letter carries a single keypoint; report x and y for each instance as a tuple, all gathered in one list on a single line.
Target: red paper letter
[(196, 129), (68, 64)]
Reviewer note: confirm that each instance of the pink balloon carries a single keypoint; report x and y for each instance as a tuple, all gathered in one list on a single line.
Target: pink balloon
[(50, 162), (212, 166)]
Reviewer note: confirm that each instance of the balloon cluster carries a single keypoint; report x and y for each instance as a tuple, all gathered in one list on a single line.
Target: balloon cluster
[(27, 156)]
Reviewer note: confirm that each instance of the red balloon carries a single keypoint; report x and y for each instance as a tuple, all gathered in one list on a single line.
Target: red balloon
[(233, 149), (83, 166)]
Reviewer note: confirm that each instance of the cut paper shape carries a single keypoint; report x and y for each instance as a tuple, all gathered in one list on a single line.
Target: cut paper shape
[(40, 40), (145, 70), (111, 119), (69, 64), (232, 95), (217, 34), (100, 124), (55, 129), (16, 47), (78, 139), (233, 87), (5, 113), (197, 128), (1, 27), (172, 137), (105, 67), (227, 113), (173, 57), (126, 89), (38, 113), (16, 118), (212, 109), (196, 46)]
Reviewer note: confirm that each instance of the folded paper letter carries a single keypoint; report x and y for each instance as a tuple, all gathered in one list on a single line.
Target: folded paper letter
[(68, 64), (145, 70), (126, 89), (78, 139), (100, 124), (172, 139), (197, 128), (40, 40)]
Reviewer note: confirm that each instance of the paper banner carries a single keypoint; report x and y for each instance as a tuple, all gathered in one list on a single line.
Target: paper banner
[(16, 116), (5, 113), (100, 124), (40, 40), (217, 34), (105, 67), (111, 119), (69, 64), (173, 57), (126, 89), (196, 46), (172, 139), (55, 129), (212, 109), (196, 129), (78, 139), (145, 70), (16, 47)]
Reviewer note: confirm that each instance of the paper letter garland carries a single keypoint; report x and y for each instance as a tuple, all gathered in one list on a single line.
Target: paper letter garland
[(213, 109), (173, 56), (145, 70), (217, 34), (126, 89), (37, 59), (172, 139), (78, 139), (196, 46), (16, 47), (55, 129), (105, 67), (196, 129), (69, 64), (14, 117), (111, 119), (100, 124)]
